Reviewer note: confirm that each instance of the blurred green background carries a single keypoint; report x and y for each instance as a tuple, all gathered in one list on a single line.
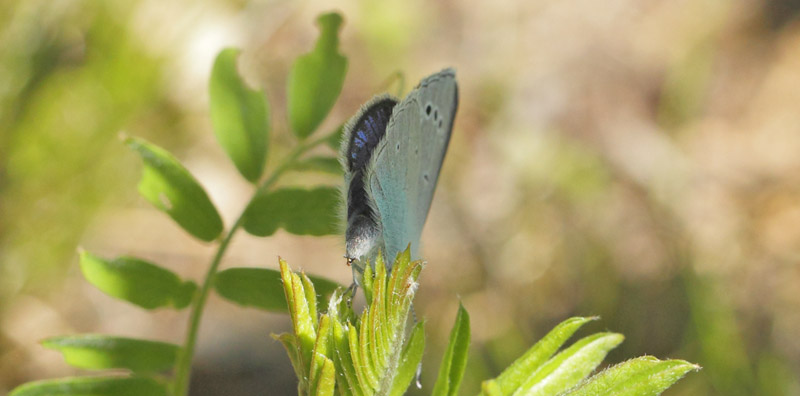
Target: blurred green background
[(637, 160)]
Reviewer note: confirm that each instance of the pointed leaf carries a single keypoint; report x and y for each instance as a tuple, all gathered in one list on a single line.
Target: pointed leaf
[(92, 386), (240, 116), (289, 342), (512, 377), (348, 380), (316, 79), (572, 365), (454, 362), (137, 281), (261, 288), (320, 164), (410, 361), (173, 190), (322, 377), (303, 324), (326, 381), (298, 211), (644, 376), (97, 352)]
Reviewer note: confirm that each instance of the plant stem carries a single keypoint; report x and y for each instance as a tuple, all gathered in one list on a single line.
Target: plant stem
[(184, 364)]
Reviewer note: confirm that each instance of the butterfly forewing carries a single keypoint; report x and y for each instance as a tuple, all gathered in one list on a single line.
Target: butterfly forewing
[(405, 166)]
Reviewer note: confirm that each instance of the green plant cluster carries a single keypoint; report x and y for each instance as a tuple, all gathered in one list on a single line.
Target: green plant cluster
[(339, 353)]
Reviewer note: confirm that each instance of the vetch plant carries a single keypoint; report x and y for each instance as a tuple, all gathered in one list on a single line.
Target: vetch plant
[(333, 350), (339, 353), (240, 120)]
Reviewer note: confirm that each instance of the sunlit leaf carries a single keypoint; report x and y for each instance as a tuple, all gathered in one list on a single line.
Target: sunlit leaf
[(513, 376), (326, 381), (240, 116), (172, 189), (137, 281), (96, 352), (316, 79), (410, 360), (644, 376), (321, 381), (303, 324), (570, 366), (454, 362), (92, 386), (262, 288), (298, 211)]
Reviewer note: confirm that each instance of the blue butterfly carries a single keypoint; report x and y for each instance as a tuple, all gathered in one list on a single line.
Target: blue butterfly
[(392, 153)]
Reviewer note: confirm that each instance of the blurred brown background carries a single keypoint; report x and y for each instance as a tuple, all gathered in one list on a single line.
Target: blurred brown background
[(637, 160)]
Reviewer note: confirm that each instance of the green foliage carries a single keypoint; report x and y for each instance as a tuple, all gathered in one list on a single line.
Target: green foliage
[(410, 360), (642, 376), (97, 352), (172, 189), (298, 211), (451, 371), (316, 79), (513, 377), (241, 123), (93, 386), (371, 355), (260, 288), (240, 116), (137, 281)]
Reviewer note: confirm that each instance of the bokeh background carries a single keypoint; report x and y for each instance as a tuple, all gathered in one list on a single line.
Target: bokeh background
[(633, 159)]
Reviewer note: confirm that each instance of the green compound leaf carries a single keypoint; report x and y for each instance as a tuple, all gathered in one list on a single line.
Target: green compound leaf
[(316, 79), (98, 352), (570, 366), (454, 362), (240, 116), (644, 376), (173, 190), (513, 376), (298, 211), (262, 288), (92, 386), (137, 281)]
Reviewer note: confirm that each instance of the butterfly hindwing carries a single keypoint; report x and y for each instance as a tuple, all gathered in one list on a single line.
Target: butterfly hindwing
[(404, 167), (362, 134)]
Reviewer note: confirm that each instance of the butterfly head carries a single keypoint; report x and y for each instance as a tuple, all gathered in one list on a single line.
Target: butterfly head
[(363, 241)]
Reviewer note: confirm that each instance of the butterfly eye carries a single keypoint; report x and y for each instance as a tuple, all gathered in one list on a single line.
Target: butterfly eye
[(349, 261)]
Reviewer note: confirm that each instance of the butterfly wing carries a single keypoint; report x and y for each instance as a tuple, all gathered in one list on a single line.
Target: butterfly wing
[(405, 165)]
